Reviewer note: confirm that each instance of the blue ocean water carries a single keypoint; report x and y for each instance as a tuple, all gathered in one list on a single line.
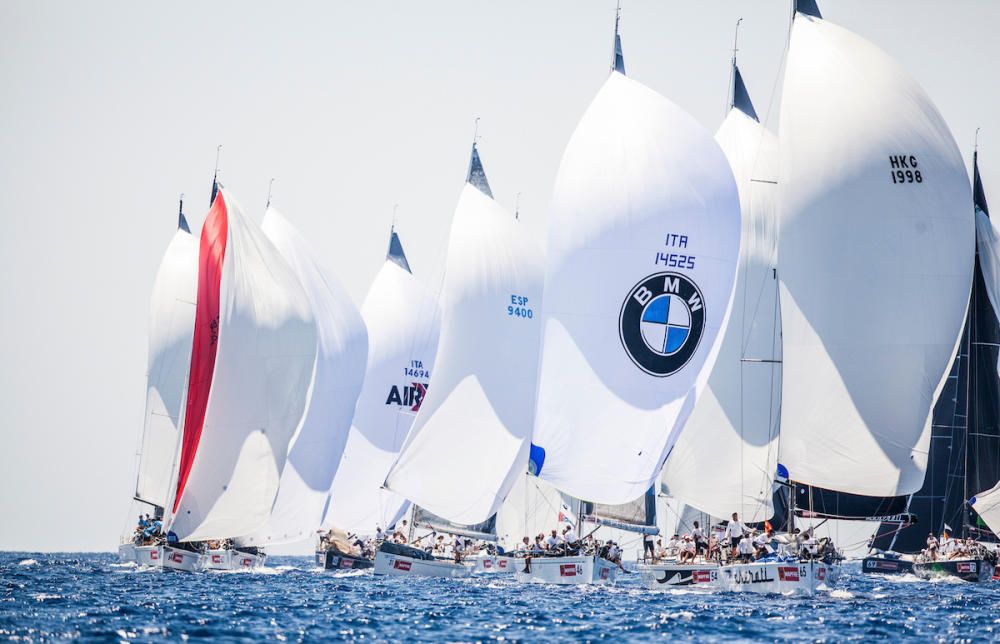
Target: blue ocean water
[(91, 596)]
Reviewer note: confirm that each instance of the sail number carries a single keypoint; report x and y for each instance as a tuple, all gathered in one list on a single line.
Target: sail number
[(675, 260), (518, 308), (416, 370), (903, 169)]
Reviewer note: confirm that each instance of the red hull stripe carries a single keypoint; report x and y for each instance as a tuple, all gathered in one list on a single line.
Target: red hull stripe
[(214, 233)]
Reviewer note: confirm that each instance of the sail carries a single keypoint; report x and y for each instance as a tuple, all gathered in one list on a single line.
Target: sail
[(638, 515), (643, 243), (987, 506), (341, 353), (734, 425), (471, 437), (403, 322), (171, 325), (251, 366), (531, 508), (483, 530), (873, 222)]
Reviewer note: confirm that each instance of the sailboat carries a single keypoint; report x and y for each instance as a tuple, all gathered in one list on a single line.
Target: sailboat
[(483, 386), (862, 359), (969, 553), (337, 377), (644, 236), (403, 322), (252, 358), (171, 328)]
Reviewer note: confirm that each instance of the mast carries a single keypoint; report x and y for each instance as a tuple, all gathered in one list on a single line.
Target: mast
[(182, 223), (215, 176), (617, 59)]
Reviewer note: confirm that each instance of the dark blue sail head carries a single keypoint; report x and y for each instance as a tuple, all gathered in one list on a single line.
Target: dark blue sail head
[(617, 59), (978, 194), (182, 223), (808, 7), (741, 97), (396, 254), (477, 175)]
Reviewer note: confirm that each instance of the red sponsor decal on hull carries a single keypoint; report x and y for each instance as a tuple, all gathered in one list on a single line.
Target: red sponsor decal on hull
[(567, 570), (821, 573), (216, 559), (788, 573), (965, 567), (605, 572), (247, 562), (701, 576), (177, 557), (346, 563), (502, 563), (401, 565), (487, 563), (212, 251), (154, 555)]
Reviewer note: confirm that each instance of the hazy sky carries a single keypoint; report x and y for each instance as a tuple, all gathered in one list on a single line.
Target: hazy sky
[(109, 110)]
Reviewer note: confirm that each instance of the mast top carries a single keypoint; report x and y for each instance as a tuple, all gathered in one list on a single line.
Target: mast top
[(215, 175), (740, 96), (617, 60), (270, 185)]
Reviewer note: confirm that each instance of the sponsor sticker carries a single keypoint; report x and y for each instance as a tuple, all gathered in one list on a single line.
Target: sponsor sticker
[(788, 573), (346, 563), (154, 555), (605, 572), (487, 563), (401, 565), (177, 557), (246, 562), (701, 576), (567, 570), (216, 559), (821, 573), (965, 567), (502, 563)]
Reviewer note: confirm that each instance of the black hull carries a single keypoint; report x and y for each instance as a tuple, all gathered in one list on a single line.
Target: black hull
[(333, 560), (885, 566), (965, 569)]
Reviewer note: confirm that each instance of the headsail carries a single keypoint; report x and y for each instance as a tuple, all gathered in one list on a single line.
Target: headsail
[(251, 366), (171, 327), (643, 245), (734, 425), (873, 222), (342, 350), (482, 392), (403, 322)]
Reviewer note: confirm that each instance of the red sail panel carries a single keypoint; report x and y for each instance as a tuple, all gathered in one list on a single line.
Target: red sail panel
[(214, 234)]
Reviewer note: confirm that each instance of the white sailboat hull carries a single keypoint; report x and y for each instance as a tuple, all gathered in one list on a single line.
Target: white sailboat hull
[(762, 577), (126, 552), (229, 559), (148, 555), (177, 559), (567, 570), (400, 565)]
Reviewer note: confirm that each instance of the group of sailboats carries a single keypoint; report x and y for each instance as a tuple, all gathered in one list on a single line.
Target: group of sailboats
[(752, 323)]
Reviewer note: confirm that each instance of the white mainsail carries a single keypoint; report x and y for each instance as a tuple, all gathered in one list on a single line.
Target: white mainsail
[(734, 425), (171, 326), (342, 351), (643, 244), (403, 321), (875, 263), (251, 366), (471, 438)]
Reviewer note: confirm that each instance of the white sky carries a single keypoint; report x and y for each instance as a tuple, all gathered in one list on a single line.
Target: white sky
[(109, 110)]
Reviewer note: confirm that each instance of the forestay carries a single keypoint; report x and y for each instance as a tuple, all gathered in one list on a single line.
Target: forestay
[(471, 437), (643, 244), (171, 326), (403, 322), (341, 354), (251, 367), (734, 425), (875, 263)]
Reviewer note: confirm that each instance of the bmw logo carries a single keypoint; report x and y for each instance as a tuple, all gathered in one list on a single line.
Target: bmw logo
[(661, 323)]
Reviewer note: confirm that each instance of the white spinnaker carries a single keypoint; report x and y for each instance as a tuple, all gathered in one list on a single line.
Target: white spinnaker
[(404, 322), (875, 267), (637, 174), (734, 425), (260, 385), (171, 327), (987, 505), (471, 437), (342, 351)]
